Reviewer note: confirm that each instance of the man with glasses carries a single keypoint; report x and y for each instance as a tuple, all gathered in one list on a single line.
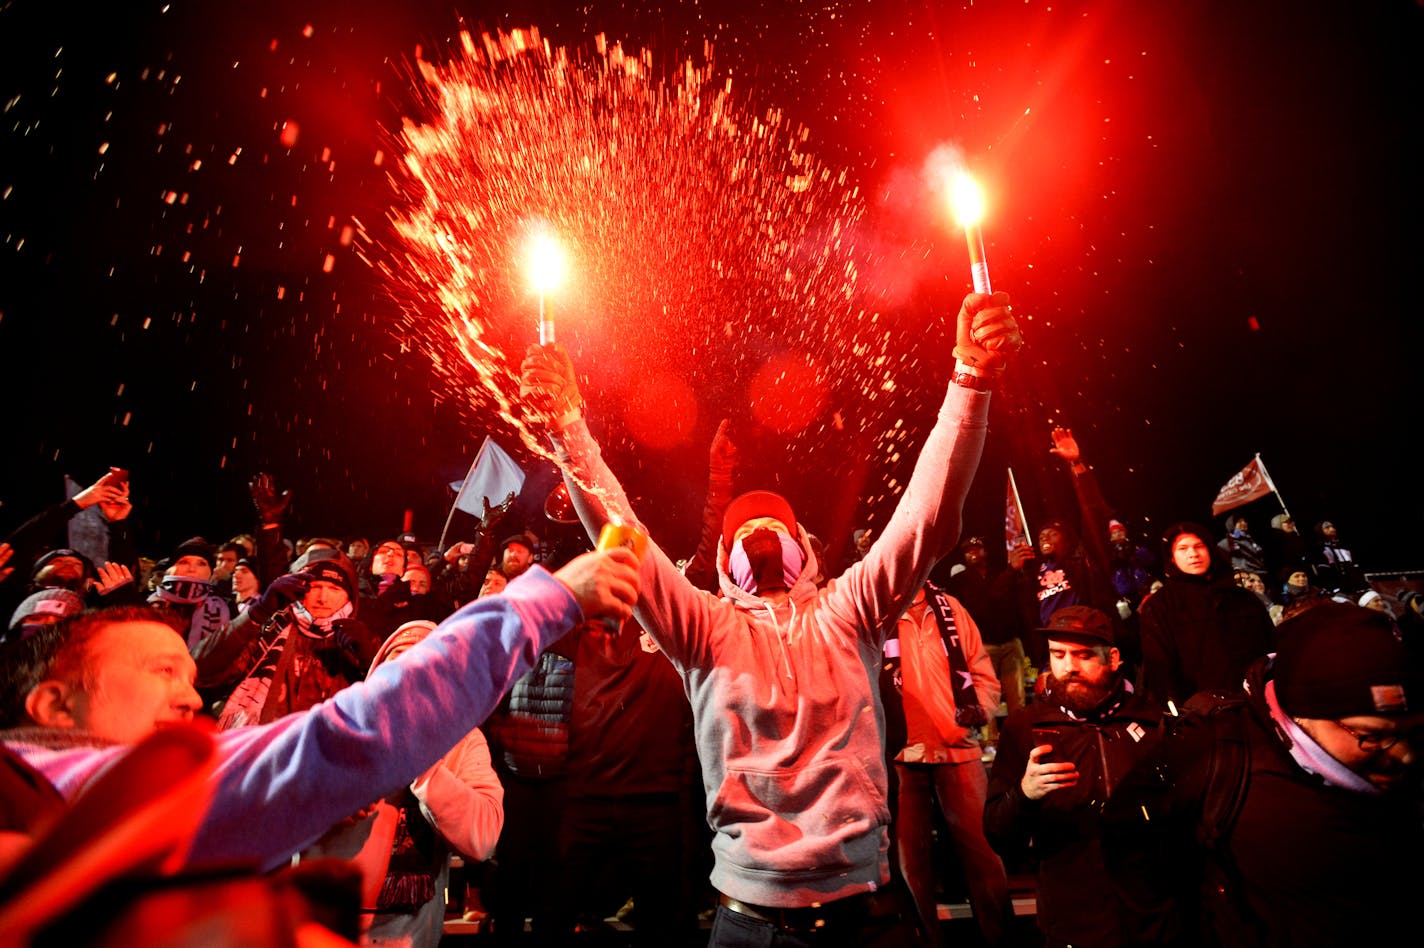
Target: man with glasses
[(1290, 816), (387, 604)]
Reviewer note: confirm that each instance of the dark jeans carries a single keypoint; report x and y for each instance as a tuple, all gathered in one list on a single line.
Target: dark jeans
[(961, 790), (528, 846), (617, 847)]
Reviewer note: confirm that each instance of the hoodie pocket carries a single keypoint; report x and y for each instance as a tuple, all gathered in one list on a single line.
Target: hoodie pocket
[(815, 818)]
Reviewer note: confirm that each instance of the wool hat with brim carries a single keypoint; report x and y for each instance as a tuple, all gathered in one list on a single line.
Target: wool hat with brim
[(45, 607), (330, 565), (1338, 660), (1079, 624), (753, 504)]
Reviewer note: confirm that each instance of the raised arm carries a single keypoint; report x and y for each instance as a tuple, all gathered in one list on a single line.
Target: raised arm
[(701, 570), (670, 609), (1093, 516), (874, 592)]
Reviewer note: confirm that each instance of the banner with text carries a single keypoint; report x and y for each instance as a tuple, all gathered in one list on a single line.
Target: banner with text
[(1250, 483)]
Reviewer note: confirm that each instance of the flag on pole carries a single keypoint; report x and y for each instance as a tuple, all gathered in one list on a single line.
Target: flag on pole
[(1015, 527), (494, 474), (1250, 483)]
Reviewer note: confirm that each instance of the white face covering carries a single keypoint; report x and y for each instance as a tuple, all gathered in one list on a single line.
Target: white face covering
[(745, 572)]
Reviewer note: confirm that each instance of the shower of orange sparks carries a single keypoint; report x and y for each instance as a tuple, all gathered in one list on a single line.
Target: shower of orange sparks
[(689, 216)]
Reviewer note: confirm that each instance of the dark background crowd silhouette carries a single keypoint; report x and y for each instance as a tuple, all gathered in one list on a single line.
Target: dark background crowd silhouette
[(1187, 196)]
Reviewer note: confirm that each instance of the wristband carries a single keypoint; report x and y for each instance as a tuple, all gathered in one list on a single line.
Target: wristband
[(972, 377), (567, 418)]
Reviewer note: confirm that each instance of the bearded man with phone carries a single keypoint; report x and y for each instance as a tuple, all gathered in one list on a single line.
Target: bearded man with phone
[(1059, 759)]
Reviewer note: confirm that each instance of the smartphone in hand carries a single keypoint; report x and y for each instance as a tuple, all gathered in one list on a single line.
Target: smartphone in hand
[(1045, 735)]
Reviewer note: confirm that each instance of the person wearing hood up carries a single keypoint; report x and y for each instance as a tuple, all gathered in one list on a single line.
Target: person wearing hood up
[(402, 843), (1296, 586), (298, 645), (781, 673), (1200, 631)]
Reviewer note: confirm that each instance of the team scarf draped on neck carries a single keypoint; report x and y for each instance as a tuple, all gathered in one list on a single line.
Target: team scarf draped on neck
[(210, 613), (246, 703)]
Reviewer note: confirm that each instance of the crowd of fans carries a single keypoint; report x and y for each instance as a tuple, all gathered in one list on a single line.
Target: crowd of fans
[(277, 625)]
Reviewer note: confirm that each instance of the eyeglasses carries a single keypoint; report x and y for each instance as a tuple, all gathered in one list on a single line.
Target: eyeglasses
[(1376, 742)]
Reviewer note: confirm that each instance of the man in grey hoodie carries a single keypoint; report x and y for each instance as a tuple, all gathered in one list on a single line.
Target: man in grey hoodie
[(782, 674)]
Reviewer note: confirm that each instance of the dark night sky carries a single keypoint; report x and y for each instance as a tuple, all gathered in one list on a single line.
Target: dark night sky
[(1205, 211)]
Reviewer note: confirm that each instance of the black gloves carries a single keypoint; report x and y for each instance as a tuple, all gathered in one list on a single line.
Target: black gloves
[(279, 594)]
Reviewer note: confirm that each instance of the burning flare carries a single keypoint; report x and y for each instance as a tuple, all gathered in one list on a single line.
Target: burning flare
[(547, 266), (967, 200)]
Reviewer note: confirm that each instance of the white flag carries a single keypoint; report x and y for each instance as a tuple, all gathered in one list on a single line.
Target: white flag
[(493, 475)]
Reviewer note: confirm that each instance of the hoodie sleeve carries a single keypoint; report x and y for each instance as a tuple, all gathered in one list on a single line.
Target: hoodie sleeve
[(462, 798), (873, 593), (672, 611)]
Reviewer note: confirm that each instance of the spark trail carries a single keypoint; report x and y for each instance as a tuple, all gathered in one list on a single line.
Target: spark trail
[(709, 253)]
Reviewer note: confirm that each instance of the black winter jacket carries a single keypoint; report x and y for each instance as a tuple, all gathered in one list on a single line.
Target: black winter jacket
[(1297, 862), (1060, 831)]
